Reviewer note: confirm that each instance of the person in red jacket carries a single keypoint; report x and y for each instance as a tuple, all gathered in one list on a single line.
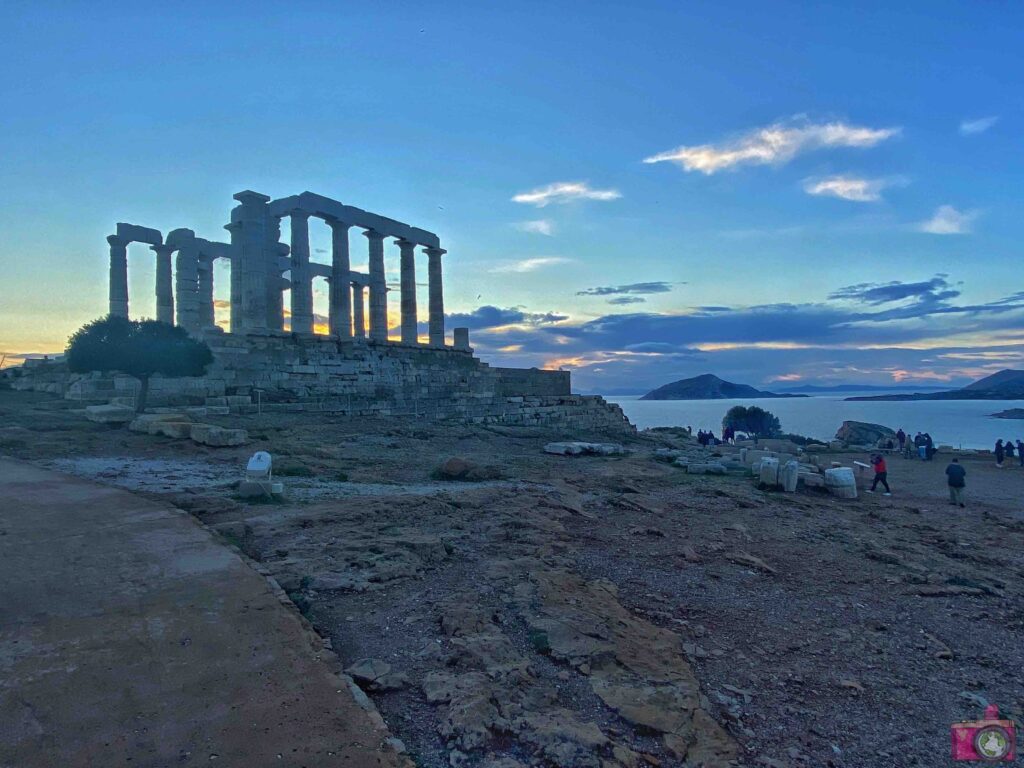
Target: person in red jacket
[(881, 475)]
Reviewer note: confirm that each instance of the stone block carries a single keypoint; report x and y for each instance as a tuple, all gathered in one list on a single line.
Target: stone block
[(175, 429), (208, 434), (109, 414), (142, 422)]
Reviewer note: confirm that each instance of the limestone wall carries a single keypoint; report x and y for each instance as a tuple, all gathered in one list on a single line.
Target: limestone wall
[(277, 372)]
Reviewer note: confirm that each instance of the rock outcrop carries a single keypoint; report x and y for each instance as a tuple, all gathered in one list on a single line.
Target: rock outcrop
[(863, 433)]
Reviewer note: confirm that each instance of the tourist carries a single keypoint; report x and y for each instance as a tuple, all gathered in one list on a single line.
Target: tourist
[(1000, 453), (955, 475), (901, 438), (929, 447), (881, 475), (1009, 450), (1020, 452), (919, 445)]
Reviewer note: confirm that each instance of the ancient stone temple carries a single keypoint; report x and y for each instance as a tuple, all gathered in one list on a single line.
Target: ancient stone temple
[(259, 263), (273, 360)]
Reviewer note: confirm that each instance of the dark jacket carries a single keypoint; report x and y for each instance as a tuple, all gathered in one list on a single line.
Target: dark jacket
[(956, 475)]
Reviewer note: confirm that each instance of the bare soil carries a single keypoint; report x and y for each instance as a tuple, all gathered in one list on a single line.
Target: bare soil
[(601, 611)]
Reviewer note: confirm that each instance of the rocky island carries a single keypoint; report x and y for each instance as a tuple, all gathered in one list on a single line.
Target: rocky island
[(708, 387)]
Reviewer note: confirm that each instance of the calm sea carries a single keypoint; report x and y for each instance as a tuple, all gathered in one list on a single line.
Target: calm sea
[(960, 423)]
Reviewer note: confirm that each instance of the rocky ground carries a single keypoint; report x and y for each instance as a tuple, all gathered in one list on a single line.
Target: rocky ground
[(603, 611)]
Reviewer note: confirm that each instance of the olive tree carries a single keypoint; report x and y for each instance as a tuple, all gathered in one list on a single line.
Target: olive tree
[(140, 348), (752, 420)]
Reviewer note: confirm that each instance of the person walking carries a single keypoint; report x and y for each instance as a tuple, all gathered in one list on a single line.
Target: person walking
[(881, 474), (1000, 453), (955, 476)]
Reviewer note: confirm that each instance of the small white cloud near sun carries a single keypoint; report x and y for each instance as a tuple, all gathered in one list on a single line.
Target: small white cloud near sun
[(536, 226), (774, 144), (531, 264), (973, 127), (947, 220), (564, 192), (851, 188)]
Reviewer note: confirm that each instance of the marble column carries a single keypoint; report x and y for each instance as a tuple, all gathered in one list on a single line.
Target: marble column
[(302, 280), (408, 287), (207, 316), (341, 292), (188, 288), (358, 311), (378, 287), (252, 228), (436, 296), (164, 288), (118, 276), (236, 318)]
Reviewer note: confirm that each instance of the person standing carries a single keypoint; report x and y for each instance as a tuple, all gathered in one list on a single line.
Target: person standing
[(1000, 453), (881, 474), (1020, 452), (955, 476), (1009, 451), (901, 438)]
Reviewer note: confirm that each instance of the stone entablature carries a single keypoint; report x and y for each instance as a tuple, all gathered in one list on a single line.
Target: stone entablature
[(259, 261)]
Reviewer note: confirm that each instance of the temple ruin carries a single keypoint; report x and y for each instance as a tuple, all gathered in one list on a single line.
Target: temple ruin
[(259, 262), (272, 360)]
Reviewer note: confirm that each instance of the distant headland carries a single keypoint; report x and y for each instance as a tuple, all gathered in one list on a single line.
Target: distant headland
[(1007, 384)]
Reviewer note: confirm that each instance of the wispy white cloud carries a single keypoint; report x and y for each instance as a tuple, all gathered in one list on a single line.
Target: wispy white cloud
[(531, 264), (775, 144), (947, 220), (537, 226), (850, 187), (982, 124), (565, 192)]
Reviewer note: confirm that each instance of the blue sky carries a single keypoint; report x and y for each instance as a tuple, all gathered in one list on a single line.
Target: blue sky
[(808, 155)]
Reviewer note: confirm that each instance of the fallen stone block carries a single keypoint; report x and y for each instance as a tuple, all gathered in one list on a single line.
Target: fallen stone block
[(219, 437), (142, 422), (576, 448), (708, 468), (812, 479), (109, 414), (175, 429), (841, 482)]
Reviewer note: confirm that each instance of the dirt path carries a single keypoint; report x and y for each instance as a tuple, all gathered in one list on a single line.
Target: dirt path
[(129, 636)]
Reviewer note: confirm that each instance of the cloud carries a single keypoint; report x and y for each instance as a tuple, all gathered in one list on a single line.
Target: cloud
[(564, 192), (982, 124), (493, 317), (849, 188), (659, 286), (627, 300), (947, 220), (531, 264), (935, 290), (870, 332), (775, 144), (537, 227)]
